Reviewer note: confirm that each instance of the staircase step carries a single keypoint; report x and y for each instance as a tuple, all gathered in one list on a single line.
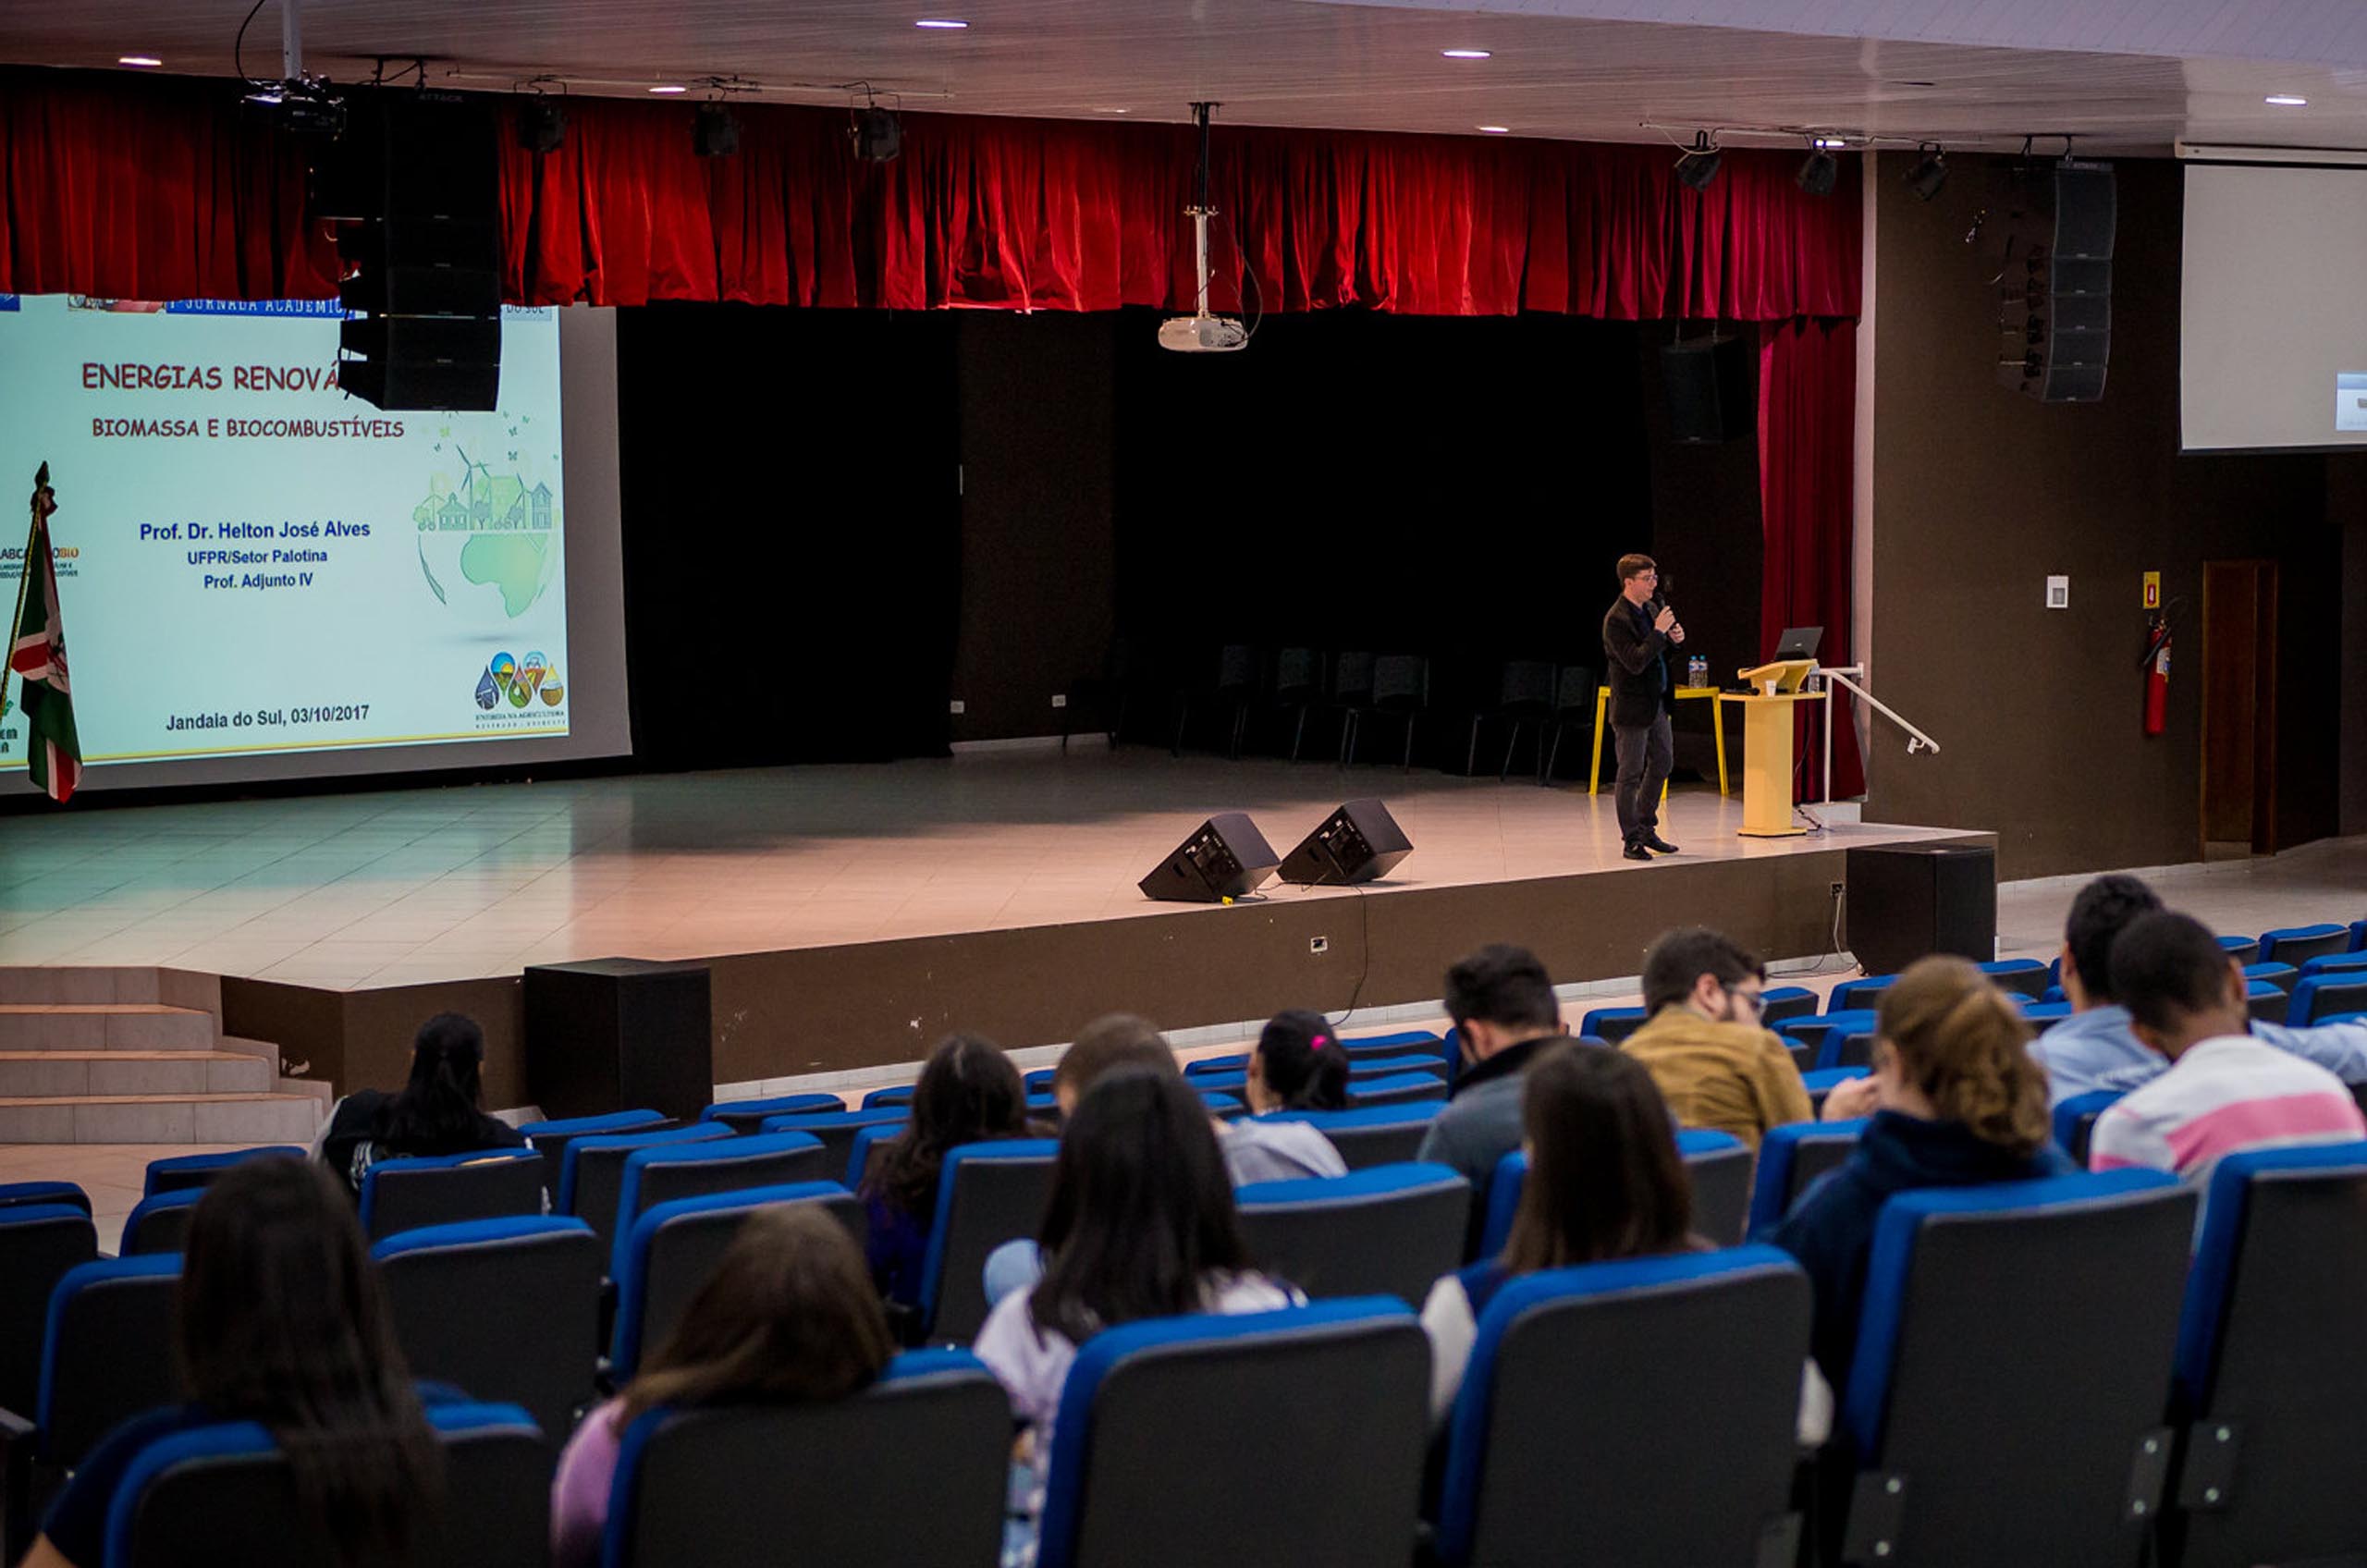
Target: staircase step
[(49, 1075), (159, 1118), (103, 1026)]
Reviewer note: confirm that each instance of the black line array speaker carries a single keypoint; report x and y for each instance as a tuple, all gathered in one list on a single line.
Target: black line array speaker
[(1226, 857), (1708, 383), (1356, 843), (2056, 304), (414, 190), (1907, 901), (619, 1034)]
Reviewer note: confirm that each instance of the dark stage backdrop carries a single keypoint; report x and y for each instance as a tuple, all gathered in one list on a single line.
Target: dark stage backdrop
[(791, 532)]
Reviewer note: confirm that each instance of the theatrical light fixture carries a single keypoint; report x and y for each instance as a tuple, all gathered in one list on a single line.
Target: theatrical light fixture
[(714, 134), (1930, 173), (1697, 165), (1467, 54), (1820, 171), (876, 133), (670, 87), (2287, 100), (138, 60), (542, 125)]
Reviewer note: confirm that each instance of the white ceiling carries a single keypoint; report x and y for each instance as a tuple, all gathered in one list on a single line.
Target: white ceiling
[(2120, 75)]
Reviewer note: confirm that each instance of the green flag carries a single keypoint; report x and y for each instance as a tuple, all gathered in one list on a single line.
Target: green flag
[(37, 653)]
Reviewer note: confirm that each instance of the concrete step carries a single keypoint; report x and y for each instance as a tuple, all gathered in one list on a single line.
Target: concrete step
[(159, 1118), (94, 984), (105, 1027), (47, 1074)]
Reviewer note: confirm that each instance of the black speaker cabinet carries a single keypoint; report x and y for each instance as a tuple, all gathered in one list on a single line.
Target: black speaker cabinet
[(1226, 857), (619, 1033), (2056, 301), (1356, 843), (1708, 383), (1907, 901)]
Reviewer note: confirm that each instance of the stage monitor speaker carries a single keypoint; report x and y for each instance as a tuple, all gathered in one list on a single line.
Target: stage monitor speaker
[(619, 1033), (1226, 857), (1708, 383), (2055, 308), (1907, 901), (1356, 843)]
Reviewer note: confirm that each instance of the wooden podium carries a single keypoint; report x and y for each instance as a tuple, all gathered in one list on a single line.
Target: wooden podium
[(1767, 727)]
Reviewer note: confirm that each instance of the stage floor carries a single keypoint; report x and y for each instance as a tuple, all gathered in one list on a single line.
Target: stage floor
[(364, 892)]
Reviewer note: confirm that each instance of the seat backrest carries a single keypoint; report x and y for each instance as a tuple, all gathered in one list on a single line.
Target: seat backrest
[(1392, 1229), (869, 1152), (2244, 950), (1381, 1134), (1812, 1030), (1401, 678), (1332, 1396), (837, 1129), (1792, 1157), (2266, 1002), (1985, 1307), (1819, 1085), (594, 1168), (1786, 1003), (914, 1469), (1352, 678), (673, 1248), (40, 1245), (987, 1194), (158, 1222), (1586, 1414), (1719, 1164), (2292, 944), (1237, 1062), (1845, 1048), (550, 1139), (690, 1170), (196, 1169), (107, 1351), (230, 1487), (447, 1188), (506, 1310), (2022, 976), (1613, 1024), (2326, 963), (1397, 1088), (895, 1097), (2284, 976), (1298, 674), (1859, 996), (746, 1116), (1393, 1044), (1527, 683), (2270, 1377), (2075, 1122), (1574, 692), (1038, 1080), (2330, 994), (1363, 1067)]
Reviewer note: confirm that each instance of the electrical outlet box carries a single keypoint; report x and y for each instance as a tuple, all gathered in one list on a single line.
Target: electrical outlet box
[(1319, 944), (958, 706), (1059, 699), (2058, 592)]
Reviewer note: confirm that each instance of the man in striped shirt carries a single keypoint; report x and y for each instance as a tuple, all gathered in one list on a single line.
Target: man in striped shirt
[(2224, 1091)]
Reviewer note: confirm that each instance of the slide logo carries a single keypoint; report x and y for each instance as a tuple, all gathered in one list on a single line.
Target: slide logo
[(519, 681)]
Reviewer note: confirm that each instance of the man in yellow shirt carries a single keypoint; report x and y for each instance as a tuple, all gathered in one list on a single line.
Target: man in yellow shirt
[(1716, 1067)]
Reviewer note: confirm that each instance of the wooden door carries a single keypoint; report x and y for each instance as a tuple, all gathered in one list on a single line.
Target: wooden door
[(2238, 708)]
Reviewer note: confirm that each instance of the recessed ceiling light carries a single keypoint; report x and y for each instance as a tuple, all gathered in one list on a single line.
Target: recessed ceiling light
[(2287, 100), (138, 60), (1466, 54), (1827, 141), (1113, 111), (670, 89), (1495, 130), (948, 23)]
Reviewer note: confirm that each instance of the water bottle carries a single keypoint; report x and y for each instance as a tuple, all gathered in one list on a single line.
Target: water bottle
[(1696, 670)]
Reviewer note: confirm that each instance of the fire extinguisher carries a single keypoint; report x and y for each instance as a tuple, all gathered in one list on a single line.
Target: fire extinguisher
[(2156, 666)]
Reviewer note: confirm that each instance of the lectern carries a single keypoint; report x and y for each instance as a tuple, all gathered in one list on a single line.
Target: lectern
[(1767, 744)]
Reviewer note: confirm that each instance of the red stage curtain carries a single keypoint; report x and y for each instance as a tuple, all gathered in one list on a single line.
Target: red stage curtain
[(1807, 386)]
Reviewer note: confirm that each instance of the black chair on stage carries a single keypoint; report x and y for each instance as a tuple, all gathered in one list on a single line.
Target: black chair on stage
[(1401, 687), (1351, 694), (1524, 696), (1298, 684), (1098, 701), (1573, 704), (1234, 690)]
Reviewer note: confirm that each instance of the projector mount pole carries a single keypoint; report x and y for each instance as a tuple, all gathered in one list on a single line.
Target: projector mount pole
[(291, 41), (1201, 209), (1915, 739)]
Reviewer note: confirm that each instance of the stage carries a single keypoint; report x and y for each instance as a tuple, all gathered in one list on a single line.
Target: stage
[(853, 914)]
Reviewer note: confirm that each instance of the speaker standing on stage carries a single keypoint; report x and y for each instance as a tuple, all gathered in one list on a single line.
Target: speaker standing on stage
[(1636, 637)]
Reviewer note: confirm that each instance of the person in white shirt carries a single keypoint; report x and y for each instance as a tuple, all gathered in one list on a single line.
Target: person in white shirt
[(1298, 1065)]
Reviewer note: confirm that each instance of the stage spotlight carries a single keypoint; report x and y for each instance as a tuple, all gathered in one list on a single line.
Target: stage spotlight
[(1699, 164), (1930, 173), (1819, 173), (877, 134), (542, 125), (714, 134)]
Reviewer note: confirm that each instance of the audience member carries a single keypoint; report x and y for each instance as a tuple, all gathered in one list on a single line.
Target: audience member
[(1115, 1040), (1716, 1067), (282, 1320), (788, 1317), (1504, 1010), (2224, 1091), (2095, 1048), (1298, 1065), (1960, 1104), (438, 1111), (968, 1093), (1140, 1224)]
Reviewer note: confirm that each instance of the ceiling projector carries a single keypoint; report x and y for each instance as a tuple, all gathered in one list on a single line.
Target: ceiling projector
[(1202, 334)]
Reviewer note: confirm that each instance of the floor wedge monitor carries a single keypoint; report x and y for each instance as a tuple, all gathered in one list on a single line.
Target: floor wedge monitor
[(1357, 843), (1226, 857)]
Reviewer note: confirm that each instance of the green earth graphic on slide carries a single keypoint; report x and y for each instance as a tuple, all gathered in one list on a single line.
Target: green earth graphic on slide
[(486, 529)]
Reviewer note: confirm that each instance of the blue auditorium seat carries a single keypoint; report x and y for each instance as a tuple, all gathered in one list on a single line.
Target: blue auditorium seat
[(1845, 1048), (506, 1310), (987, 1194), (1821, 1083), (2359, 936), (1039, 1081), (228, 1487), (2271, 1387), (592, 1168), (2282, 976), (1391, 1229), (40, 1243), (1791, 1157), (2023, 977), (1398, 1088), (1859, 996), (196, 1169), (746, 1116), (2075, 1122), (2267, 1002), (1812, 1031), (1718, 1164), (1306, 1429), (673, 1247), (444, 1189), (1364, 1067), (2054, 994), (106, 1351), (870, 1146), (1786, 1001), (43, 1194), (1380, 1134), (1222, 1105), (550, 1139), (2244, 950), (2044, 1015), (1237, 1062), (1396, 1043), (1642, 1411), (2292, 944), (157, 1223), (1613, 1024), (2326, 963), (895, 1097), (2012, 1373), (2328, 993), (1232, 1080), (838, 1130), (688, 1171), (913, 1470)]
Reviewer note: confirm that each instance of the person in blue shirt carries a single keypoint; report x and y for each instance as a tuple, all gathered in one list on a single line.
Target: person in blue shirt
[(283, 1320), (2095, 1048), (968, 1093)]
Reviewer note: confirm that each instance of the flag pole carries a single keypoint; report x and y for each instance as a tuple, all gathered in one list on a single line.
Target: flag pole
[(17, 617)]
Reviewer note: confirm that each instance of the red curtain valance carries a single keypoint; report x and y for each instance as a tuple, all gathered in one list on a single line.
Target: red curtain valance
[(156, 189)]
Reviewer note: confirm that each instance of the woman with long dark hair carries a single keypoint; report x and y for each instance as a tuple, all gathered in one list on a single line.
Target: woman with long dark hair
[(968, 1093), (436, 1112), (1296, 1065), (283, 1321), (788, 1317)]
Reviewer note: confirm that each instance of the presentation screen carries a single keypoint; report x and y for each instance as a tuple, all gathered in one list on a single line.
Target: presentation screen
[(2273, 333), (261, 576)]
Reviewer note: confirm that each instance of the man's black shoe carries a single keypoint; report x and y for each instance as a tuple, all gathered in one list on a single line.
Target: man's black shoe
[(1636, 851), (1654, 841)]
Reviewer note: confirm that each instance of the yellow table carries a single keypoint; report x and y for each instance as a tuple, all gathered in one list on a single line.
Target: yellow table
[(1717, 726)]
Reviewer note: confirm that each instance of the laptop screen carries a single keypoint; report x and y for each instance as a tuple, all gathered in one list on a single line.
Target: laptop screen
[(1797, 642)]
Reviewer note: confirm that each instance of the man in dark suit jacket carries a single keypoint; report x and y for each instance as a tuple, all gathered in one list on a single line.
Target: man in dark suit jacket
[(1636, 637)]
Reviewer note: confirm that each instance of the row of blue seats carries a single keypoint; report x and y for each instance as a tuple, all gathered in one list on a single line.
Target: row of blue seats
[(2045, 1376)]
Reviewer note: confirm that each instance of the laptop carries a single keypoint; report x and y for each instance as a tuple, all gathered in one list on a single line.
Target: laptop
[(1797, 642)]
